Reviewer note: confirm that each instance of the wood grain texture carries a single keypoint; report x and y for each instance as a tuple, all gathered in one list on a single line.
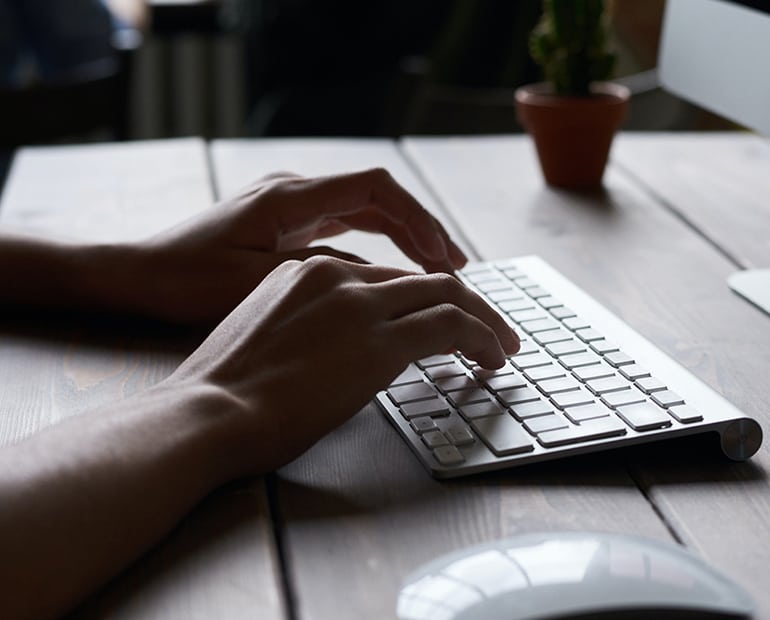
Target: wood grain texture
[(358, 513), (221, 559), (630, 252), (717, 181), (108, 192)]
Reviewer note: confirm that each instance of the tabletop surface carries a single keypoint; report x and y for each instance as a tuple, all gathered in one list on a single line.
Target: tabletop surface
[(334, 534)]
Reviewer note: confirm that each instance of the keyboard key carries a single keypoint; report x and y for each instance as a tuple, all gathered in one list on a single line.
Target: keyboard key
[(434, 439), (435, 360), (448, 455), (510, 272), (588, 334), (579, 359), (667, 398), (593, 371), (508, 294), (580, 396), (452, 369), (496, 284), (523, 362), (423, 425), (524, 411), (518, 395), (514, 305), (539, 325), (481, 409), (411, 391), (463, 397), (451, 384), (433, 407), (538, 373), (558, 349), (527, 346), (644, 416), (410, 375), (685, 414), (549, 302), (598, 428), (572, 322), (623, 397), (560, 384), (484, 274), (587, 412), (537, 292), (602, 347), (527, 315), (607, 384), (523, 282), (505, 382), (544, 423), (503, 435), (564, 313), (648, 385), (618, 358), (553, 335), (459, 435), (632, 372)]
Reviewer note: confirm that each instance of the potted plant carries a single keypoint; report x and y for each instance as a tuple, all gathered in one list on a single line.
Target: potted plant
[(574, 115)]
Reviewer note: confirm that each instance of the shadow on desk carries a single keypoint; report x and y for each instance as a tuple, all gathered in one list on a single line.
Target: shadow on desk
[(311, 489), (99, 331)]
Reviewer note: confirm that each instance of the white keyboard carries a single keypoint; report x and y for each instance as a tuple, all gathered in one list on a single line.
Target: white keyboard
[(583, 381)]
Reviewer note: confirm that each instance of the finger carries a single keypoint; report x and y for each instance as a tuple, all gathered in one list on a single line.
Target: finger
[(443, 328), (370, 220), (342, 195), (305, 253), (325, 260), (411, 293)]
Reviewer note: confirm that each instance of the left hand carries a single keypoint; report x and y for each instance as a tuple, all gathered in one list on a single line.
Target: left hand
[(202, 269)]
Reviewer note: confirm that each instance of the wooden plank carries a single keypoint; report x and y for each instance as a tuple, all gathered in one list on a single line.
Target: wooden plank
[(221, 559), (108, 192), (644, 263), (717, 181), (358, 511), (239, 162)]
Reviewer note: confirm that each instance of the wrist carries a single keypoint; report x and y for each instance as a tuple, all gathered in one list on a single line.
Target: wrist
[(210, 427), (107, 278)]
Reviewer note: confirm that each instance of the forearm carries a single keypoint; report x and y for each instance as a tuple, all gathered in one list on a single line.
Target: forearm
[(36, 273), (81, 500)]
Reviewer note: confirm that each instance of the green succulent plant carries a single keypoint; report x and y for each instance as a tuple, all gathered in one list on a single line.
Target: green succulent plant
[(571, 44)]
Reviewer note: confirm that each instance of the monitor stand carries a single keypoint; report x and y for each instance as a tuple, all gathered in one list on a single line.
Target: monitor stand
[(753, 285)]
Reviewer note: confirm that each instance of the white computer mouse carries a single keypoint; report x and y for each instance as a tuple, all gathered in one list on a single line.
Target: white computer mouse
[(570, 576)]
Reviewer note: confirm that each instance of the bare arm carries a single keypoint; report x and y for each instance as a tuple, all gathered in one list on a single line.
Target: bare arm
[(200, 270), (81, 500)]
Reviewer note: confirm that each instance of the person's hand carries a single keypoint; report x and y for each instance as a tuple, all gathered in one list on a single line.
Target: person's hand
[(317, 339), (201, 269)]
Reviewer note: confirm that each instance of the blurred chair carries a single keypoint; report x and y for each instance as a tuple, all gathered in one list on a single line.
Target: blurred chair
[(92, 98)]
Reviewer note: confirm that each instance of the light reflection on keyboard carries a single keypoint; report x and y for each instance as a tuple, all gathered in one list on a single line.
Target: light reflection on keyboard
[(572, 387)]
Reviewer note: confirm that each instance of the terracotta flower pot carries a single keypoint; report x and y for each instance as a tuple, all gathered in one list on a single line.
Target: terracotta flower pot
[(572, 134)]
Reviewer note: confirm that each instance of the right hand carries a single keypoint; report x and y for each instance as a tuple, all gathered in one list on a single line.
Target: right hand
[(316, 340)]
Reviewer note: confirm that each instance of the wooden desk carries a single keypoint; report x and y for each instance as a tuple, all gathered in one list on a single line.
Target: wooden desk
[(335, 532)]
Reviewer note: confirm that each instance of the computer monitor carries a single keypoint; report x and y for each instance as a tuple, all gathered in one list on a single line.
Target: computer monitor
[(714, 53)]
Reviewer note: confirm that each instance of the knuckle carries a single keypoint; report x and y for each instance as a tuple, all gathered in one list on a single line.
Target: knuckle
[(449, 286), (450, 317), (321, 268), (379, 175)]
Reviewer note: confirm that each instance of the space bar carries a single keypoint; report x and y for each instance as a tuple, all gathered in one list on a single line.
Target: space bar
[(597, 428)]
